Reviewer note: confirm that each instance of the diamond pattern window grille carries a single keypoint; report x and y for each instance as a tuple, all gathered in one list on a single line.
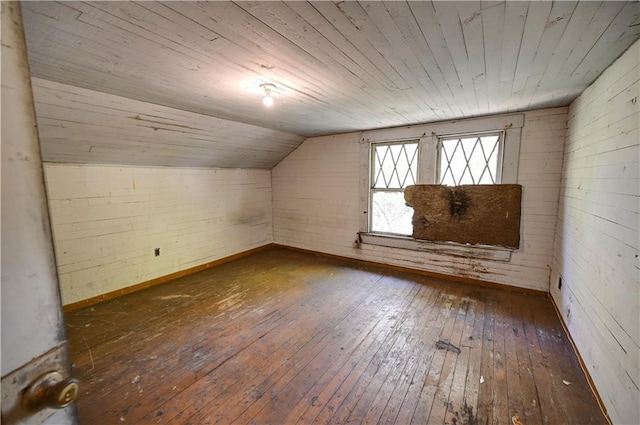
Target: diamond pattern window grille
[(470, 159), (395, 166)]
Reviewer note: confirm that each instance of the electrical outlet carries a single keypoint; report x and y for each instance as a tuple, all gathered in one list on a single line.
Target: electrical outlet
[(157, 252)]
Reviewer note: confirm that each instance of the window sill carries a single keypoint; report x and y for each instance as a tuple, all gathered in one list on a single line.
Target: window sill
[(494, 253)]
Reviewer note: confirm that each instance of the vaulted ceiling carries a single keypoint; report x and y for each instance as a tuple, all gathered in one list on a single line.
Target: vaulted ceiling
[(337, 66)]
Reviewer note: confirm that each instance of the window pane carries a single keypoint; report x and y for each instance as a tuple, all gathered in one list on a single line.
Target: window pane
[(390, 214), (490, 146), (394, 165), (469, 160)]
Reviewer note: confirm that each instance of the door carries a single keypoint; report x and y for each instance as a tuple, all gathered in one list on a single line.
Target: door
[(34, 349)]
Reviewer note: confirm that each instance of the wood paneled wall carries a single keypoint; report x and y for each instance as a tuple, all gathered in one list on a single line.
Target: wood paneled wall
[(596, 245), (316, 202), (77, 125), (107, 221)]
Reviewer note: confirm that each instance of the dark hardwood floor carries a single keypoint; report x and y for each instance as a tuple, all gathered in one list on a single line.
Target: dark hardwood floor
[(284, 337)]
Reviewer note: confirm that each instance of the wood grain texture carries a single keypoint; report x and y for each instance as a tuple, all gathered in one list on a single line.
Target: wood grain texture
[(317, 192), (108, 220), (288, 337), (582, 363), (597, 235), (84, 126), (460, 279), (337, 66), (157, 281)]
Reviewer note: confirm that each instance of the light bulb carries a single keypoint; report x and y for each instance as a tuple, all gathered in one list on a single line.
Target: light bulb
[(267, 100)]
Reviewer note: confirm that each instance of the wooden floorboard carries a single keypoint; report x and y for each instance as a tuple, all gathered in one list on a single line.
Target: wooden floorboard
[(286, 337)]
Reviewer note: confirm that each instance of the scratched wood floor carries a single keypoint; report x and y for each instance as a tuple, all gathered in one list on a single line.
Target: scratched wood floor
[(283, 337)]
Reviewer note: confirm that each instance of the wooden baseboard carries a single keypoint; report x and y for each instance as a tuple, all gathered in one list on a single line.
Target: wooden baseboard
[(162, 279), (462, 279), (143, 285), (583, 365)]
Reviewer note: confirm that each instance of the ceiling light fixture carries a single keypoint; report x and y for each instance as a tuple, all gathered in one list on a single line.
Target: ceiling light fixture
[(268, 100)]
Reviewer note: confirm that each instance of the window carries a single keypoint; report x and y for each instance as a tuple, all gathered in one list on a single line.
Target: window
[(473, 151), (394, 166), (470, 159), (464, 159)]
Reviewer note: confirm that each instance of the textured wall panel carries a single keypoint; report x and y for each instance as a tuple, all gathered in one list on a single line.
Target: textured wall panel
[(597, 243), (469, 214)]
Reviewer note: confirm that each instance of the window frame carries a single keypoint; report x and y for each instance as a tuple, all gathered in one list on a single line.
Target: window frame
[(372, 147), (500, 154), (428, 136)]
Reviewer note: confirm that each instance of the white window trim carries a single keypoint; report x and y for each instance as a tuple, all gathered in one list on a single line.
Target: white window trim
[(428, 135), (371, 189)]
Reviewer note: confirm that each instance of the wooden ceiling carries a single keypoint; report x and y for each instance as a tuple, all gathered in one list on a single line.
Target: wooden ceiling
[(77, 125), (337, 66)]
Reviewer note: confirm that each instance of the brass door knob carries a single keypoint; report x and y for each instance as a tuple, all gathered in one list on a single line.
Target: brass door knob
[(50, 390)]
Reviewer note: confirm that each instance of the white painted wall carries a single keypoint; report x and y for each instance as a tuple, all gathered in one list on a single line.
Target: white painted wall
[(596, 245), (107, 220), (316, 205)]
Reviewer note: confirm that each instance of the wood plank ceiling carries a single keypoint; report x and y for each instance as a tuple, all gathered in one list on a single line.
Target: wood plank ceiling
[(337, 66)]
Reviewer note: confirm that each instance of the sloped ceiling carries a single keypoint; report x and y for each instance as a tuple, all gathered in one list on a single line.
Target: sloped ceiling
[(77, 125), (337, 66)]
